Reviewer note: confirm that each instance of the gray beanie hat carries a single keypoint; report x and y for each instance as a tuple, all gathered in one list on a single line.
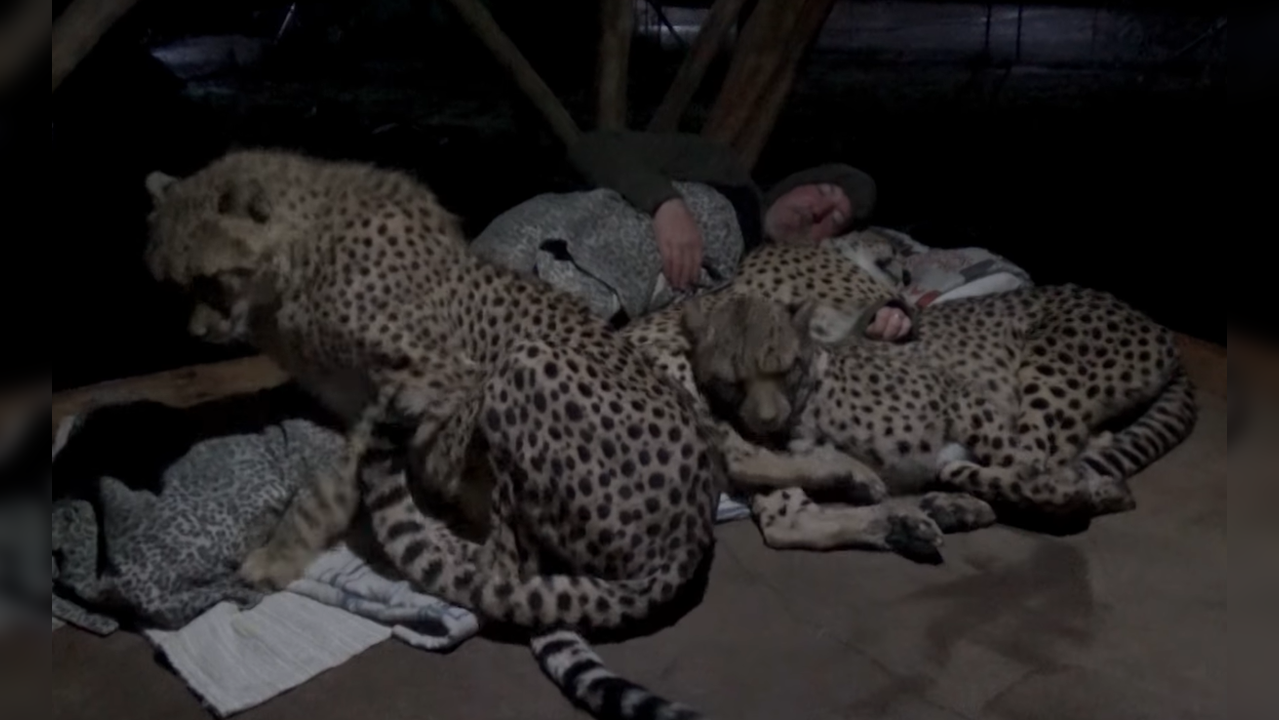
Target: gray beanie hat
[(857, 185)]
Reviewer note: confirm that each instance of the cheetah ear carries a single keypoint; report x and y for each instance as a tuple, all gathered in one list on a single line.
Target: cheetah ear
[(245, 198), (694, 318), (158, 183)]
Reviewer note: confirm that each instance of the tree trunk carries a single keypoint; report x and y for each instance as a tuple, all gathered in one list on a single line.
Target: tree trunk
[(754, 136), (617, 25), (482, 24), (710, 38), (78, 30), (755, 60)]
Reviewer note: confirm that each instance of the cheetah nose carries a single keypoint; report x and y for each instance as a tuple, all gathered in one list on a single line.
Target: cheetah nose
[(770, 414)]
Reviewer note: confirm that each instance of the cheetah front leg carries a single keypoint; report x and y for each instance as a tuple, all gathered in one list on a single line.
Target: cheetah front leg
[(432, 392), (818, 469), (789, 520), (318, 514)]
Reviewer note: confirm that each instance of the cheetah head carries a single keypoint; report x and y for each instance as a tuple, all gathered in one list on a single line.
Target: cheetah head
[(750, 357), (874, 252), (213, 235)]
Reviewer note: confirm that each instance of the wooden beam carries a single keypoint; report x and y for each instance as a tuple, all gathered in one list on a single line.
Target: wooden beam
[(710, 38), (481, 22), (184, 387), (617, 25), (190, 386), (78, 30), (751, 140), (755, 60), (22, 37)]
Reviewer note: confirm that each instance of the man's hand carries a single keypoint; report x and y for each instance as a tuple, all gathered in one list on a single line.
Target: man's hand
[(680, 243), (891, 324)]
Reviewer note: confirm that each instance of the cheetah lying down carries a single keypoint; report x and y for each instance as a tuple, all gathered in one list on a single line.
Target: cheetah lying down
[(781, 484), (1003, 398), (359, 284)]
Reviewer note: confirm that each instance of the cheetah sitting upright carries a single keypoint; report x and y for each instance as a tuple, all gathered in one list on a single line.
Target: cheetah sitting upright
[(1005, 397), (360, 284)]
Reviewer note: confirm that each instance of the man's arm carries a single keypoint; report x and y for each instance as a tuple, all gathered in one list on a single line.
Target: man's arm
[(892, 320), (641, 166)]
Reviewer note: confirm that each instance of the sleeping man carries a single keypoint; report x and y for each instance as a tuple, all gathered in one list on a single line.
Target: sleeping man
[(663, 216)]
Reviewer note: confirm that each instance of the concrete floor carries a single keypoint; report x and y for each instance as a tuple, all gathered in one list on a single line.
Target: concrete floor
[(1126, 621)]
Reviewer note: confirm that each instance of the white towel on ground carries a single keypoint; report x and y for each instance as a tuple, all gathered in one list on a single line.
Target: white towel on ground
[(237, 659)]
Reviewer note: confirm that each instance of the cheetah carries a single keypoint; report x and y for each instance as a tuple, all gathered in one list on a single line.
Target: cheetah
[(1005, 399), (359, 283), (782, 483)]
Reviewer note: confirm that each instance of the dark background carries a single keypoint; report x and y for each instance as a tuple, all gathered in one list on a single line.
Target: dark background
[(1088, 146)]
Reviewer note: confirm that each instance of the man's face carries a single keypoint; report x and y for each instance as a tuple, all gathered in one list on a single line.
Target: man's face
[(808, 214)]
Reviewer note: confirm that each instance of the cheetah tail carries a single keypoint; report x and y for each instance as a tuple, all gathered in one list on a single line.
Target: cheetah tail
[(450, 568), (1164, 426), (580, 674), (463, 572)]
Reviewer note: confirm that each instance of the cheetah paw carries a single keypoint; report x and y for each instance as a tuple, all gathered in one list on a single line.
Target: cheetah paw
[(1092, 493), (1106, 495), (270, 570), (956, 512), (956, 474), (915, 537), (842, 478)]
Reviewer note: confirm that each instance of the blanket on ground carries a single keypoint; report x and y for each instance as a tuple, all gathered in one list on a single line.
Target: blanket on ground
[(150, 525), (595, 245), (158, 546)]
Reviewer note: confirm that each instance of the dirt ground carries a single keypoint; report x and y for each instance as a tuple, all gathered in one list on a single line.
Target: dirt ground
[(1125, 621)]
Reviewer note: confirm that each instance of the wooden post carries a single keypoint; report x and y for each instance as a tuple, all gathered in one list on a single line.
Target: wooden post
[(710, 38), (78, 30), (482, 24), (22, 39), (617, 25), (755, 60), (754, 136)]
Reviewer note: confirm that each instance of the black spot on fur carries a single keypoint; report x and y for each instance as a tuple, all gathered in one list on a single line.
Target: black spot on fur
[(402, 528), (413, 552)]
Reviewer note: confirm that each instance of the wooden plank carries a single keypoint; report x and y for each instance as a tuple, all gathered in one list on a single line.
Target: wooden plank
[(617, 25), (78, 30), (481, 22), (710, 39), (751, 140), (179, 388), (755, 60), (22, 38), (186, 387)]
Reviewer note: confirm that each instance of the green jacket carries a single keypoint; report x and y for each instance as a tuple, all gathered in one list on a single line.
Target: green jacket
[(641, 167)]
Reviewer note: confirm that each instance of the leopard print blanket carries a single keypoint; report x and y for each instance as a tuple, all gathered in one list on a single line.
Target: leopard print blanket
[(149, 526), (597, 246)]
